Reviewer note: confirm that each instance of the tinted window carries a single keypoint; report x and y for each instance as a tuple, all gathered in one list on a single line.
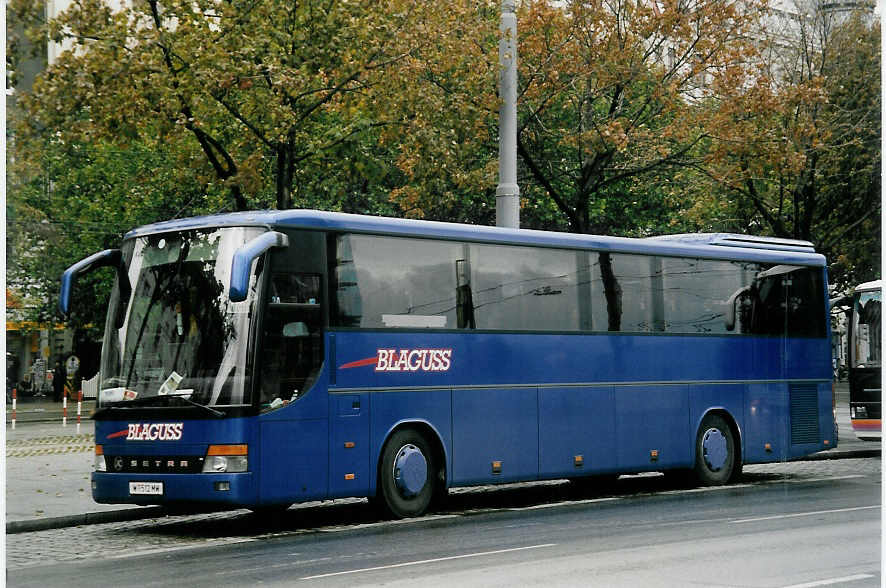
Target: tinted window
[(413, 283), (866, 347), (806, 306), (640, 306), (293, 349), (390, 282), (784, 299), (520, 288), (697, 292), (644, 294)]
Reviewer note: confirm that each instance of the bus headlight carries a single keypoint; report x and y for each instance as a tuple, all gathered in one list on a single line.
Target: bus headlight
[(226, 459), (100, 465)]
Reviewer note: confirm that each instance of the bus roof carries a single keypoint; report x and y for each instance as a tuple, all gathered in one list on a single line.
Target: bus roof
[(868, 286), (712, 246), (734, 240)]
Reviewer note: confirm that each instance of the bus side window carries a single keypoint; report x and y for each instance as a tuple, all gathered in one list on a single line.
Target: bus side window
[(295, 288), (786, 301)]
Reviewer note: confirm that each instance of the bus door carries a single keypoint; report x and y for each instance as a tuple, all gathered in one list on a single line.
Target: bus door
[(349, 452), (293, 410)]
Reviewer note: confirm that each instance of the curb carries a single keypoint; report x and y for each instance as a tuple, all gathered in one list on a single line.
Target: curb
[(849, 454), (148, 512), (89, 518)]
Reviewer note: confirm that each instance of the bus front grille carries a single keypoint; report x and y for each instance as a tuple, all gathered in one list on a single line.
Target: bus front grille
[(152, 464)]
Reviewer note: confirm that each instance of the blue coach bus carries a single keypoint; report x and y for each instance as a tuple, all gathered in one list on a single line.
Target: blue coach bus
[(262, 359)]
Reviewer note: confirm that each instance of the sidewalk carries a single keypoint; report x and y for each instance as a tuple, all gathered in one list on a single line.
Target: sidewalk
[(48, 468)]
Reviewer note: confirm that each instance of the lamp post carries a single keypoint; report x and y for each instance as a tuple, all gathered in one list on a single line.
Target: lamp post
[(507, 195)]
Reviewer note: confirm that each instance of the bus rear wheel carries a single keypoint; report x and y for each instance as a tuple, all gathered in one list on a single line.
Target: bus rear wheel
[(715, 455), (406, 474)]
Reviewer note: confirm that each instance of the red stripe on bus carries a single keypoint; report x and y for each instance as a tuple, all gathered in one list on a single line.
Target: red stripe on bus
[(360, 363), (866, 424), (122, 433)]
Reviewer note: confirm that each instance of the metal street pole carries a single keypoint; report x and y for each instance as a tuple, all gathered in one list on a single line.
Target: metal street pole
[(507, 195)]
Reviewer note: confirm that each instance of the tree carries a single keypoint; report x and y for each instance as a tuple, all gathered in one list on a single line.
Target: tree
[(163, 110), (803, 159), (849, 225), (261, 88), (75, 199), (612, 94)]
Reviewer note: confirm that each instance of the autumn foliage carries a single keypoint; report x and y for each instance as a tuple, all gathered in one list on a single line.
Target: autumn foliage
[(635, 117)]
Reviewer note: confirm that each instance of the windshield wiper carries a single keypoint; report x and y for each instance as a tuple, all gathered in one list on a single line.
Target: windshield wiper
[(210, 410), (153, 401)]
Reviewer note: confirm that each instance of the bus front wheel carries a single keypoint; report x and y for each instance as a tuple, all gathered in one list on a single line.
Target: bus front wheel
[(406, 474), (715, 455)]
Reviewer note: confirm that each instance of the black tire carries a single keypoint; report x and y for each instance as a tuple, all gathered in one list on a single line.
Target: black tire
[(716, 459), (407, 491)]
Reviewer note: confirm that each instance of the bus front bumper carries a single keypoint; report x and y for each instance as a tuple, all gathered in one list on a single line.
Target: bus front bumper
[(227, 489)]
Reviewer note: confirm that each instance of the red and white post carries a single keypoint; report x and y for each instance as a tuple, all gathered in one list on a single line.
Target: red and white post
[(65, 409), (14, 396), (79, 407)]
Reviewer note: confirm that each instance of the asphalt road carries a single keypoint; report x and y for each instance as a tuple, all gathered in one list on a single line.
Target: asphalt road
[(794, 525)]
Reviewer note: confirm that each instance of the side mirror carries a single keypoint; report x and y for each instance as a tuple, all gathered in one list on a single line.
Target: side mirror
[(245, 255), (106, 258), (730, 307)]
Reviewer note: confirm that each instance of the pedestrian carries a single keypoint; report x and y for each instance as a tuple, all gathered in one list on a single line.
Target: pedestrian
[(24, 387), (59, 376)]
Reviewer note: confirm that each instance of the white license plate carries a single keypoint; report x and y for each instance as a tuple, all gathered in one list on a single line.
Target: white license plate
[(146, 488)]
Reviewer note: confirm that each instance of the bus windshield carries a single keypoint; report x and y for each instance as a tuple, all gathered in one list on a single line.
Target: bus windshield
[(178, 333), (866, 329)]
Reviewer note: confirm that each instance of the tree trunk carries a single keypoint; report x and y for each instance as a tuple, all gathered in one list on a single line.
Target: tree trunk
[(612, 290), (285, 167)]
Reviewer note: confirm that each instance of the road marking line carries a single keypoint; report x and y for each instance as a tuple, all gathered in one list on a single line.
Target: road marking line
[(51, 440), (823, 479), (287, 564), (704, 489), (427, 561), (410, 521), (803, 514), (35, 451), (173, 548), (564, 503), (831, 581)]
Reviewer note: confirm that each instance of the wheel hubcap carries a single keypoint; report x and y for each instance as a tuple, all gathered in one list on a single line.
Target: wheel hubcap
[(410, 470), (716, 450)]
